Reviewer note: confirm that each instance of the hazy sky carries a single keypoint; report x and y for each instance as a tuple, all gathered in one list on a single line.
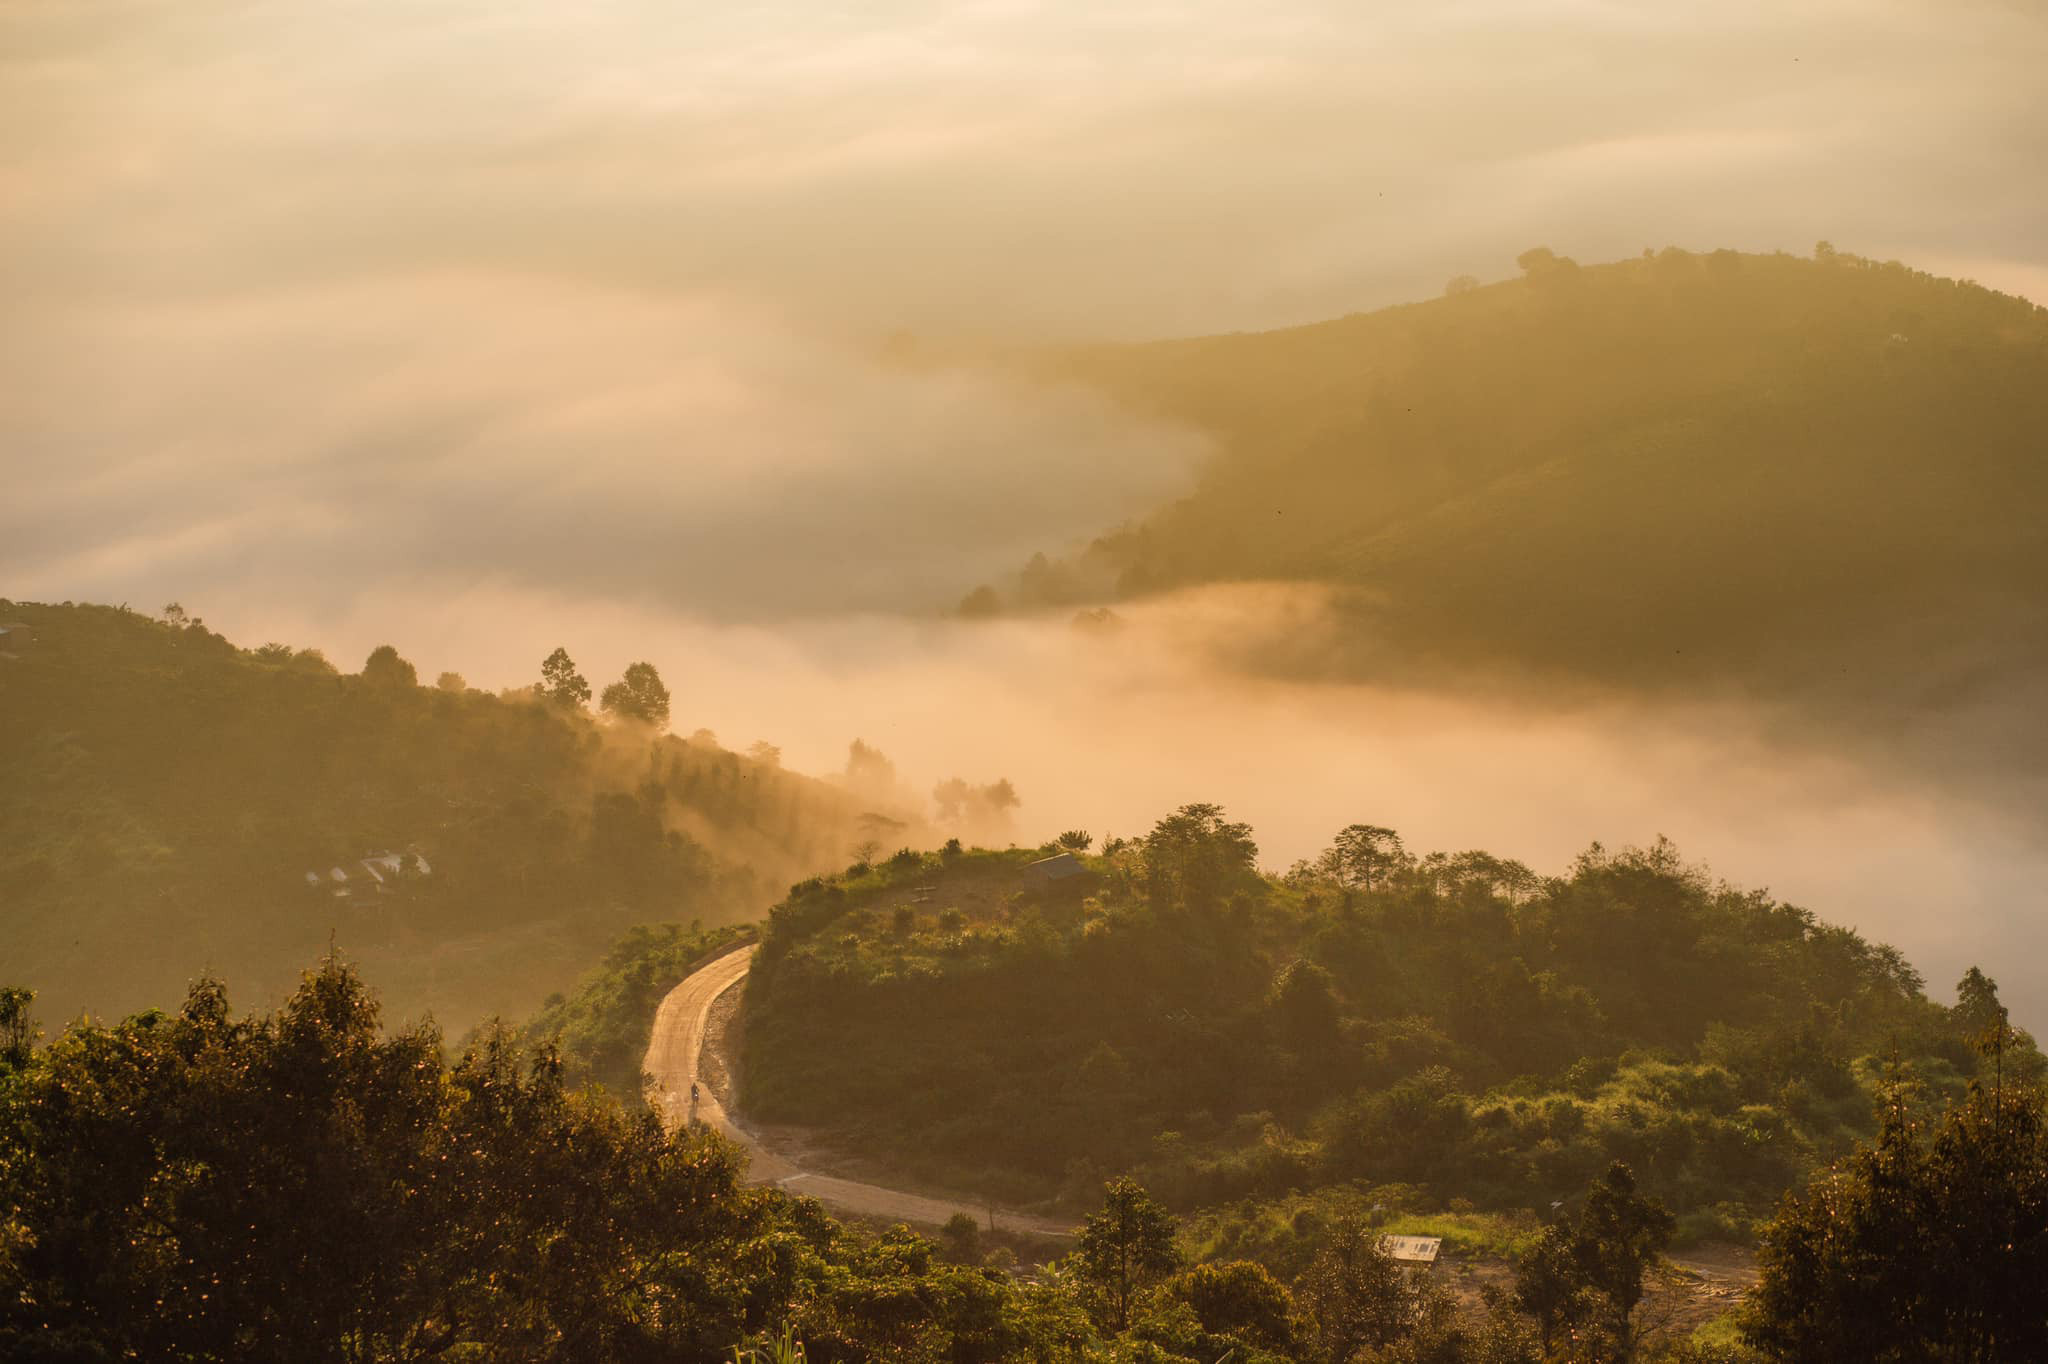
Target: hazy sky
[(486, 325), (583, 293), (1079, 168)]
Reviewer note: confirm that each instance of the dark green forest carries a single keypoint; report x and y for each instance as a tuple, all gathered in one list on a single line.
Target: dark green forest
[(1818, 479), (168, 791), (310, 1185), (1424, 1033)]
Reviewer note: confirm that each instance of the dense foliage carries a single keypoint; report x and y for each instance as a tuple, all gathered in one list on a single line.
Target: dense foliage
[(168, 791), (1818, 477), (306, 1185), (1930, 1243), (1436, 1029), (602, 1028)]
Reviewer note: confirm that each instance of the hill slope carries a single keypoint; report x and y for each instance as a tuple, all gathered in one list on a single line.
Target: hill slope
[(1456, 1029), (165, 794), (1799, 477)]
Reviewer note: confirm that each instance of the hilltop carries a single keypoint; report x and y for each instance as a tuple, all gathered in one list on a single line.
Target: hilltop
[(167, 795), (1817, 481), (1427, 1033)]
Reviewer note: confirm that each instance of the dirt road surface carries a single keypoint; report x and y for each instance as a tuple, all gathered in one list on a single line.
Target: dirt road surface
[(680, 1026)]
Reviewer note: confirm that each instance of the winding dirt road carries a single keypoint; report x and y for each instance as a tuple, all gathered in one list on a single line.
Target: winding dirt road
[(680, 1026)]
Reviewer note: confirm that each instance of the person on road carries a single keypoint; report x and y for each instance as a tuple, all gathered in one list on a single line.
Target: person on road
[(693, 1092)]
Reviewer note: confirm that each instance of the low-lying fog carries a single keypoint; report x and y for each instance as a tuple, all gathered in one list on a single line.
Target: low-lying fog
[(1108, 731), (480, 470)]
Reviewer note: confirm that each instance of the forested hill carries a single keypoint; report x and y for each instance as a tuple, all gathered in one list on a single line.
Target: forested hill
[(165, 794), (1659, 472), (1373, 1027)]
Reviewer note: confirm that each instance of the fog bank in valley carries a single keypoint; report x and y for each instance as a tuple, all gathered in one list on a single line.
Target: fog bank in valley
[(1107, 730)]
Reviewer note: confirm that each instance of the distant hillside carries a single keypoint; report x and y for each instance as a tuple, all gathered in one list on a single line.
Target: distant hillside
[(165, 795), (1418, 1032), (1675, 472)]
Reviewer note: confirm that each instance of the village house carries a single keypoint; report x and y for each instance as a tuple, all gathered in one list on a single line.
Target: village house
[(1050, 870), (1418, 1252), (372, 874)]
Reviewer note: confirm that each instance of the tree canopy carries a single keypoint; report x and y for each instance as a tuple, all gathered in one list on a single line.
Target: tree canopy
[(639, 696), (561, 684)]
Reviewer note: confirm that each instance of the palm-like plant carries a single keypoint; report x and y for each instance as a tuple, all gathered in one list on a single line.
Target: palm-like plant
[(782, 1349)]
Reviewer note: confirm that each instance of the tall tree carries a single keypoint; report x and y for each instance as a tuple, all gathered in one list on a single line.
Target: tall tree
[(1588, 1270), (17, 1025), (1353, 1294), (1917, 1248), (561, 684), (384, 668), (1125, 1248), (1194, 855), (1365, 855), (638, 696)]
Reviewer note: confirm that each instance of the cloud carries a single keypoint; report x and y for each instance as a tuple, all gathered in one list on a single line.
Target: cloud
[(471, 428), (1070, 169), (1109, 732)]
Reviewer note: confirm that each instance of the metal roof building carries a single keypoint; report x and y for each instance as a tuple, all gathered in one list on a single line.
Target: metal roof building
[(1058, 867), (1412, 1250)]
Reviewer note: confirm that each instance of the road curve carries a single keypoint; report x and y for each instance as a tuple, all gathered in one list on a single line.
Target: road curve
[(680, 1027)]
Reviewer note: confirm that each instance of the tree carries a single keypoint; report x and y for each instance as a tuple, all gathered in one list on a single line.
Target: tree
[(1365, 855), (765, 753), (1074, 840), (1125, 1248), (639, 696), (304, 1186), (1304, 1009), (1977, 1004), (961, 1237), (451, 682), (1541, 260), (869, 772), (561, 684), (384, 668), (1588, 1269), (1353, 1294), (17, 1026), (1238, 1298), (1194, 855), (958, 800), (1917, 1248)]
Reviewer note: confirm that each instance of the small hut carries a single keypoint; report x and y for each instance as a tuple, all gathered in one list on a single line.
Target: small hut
[(1416, 1252), (1059, 867)]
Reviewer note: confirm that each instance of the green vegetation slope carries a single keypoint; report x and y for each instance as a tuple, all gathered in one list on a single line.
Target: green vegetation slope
[(1803, 475), (1427, 1033), (165, 794), (306, 1185)]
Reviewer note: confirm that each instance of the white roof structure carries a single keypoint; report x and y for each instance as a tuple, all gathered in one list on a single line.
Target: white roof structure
[(377, 864), (1412, 1250), (1058, 867)]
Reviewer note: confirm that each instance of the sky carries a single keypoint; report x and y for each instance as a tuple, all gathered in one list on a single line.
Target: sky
[(480, 327)]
